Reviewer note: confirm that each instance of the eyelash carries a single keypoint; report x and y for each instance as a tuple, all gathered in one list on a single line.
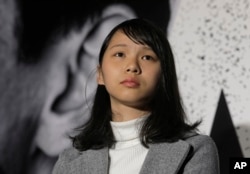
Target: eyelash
[(145, 57)]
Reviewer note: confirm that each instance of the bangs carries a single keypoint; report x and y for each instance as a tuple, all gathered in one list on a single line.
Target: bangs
[(137, 35)]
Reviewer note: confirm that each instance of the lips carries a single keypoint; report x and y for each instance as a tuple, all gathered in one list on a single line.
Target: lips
[(131, 83)]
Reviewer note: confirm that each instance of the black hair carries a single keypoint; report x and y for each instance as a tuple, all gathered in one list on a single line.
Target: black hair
[(160, 14), (43, 22), (167, 121)]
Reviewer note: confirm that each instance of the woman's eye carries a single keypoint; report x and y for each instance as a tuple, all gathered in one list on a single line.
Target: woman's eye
[(147, 57), (119, 55)]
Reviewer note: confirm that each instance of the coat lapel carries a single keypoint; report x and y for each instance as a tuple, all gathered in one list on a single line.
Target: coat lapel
[(162, 158), (91, 162), (165, 158)]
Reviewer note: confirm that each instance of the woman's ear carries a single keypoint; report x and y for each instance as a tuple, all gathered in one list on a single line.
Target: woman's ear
[(99, 76)]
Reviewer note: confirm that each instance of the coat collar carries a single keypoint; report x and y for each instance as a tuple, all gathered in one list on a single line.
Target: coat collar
[(161, 158), (165, 157), (91, 162)]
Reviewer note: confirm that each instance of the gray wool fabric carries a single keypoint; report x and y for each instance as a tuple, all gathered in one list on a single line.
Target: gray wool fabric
[(194, 155)]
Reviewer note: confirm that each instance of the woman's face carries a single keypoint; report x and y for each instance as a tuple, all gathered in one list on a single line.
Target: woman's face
[(129, 71)]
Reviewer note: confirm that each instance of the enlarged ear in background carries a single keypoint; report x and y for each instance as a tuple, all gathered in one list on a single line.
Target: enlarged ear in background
[(72, 82)]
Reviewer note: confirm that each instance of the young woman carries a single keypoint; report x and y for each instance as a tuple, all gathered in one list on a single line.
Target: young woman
[(137, 123)]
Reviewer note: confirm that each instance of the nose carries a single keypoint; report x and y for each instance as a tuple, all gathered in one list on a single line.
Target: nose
[(133, 67)]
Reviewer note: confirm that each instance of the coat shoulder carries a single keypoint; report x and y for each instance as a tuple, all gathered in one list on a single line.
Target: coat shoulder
[(68, 155), (199, 141), (203, 156)]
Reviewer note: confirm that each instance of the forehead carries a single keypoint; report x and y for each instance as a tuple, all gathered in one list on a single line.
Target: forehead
[(119, 35), (119, 38)]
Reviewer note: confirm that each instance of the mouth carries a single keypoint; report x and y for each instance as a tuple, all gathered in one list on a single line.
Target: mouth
[(131, 83)]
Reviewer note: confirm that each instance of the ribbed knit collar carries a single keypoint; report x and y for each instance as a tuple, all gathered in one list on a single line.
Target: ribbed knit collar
[(127, 130)]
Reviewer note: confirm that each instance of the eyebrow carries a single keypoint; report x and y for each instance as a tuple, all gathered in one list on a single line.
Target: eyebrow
[(125, 45), (118, 45)]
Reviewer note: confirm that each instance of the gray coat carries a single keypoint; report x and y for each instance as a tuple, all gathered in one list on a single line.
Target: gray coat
[(194, 155)]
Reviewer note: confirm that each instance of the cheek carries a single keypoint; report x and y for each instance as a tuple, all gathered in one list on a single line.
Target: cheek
[(154, 74), (110, 72), (23, 101), (31, 86)]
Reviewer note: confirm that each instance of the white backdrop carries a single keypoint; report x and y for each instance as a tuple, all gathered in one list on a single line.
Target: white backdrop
[(211, 43)]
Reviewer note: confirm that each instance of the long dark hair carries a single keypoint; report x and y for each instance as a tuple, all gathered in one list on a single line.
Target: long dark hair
[(167, 121)]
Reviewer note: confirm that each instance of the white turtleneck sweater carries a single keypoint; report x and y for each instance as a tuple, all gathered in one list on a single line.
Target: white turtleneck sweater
[(128, 154)]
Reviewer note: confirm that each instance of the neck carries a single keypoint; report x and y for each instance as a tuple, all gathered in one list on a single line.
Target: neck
[(125, 113)]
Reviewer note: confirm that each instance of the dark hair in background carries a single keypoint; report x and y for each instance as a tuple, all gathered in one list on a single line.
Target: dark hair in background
[(42, 22), (167, 122), (158, 12)]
